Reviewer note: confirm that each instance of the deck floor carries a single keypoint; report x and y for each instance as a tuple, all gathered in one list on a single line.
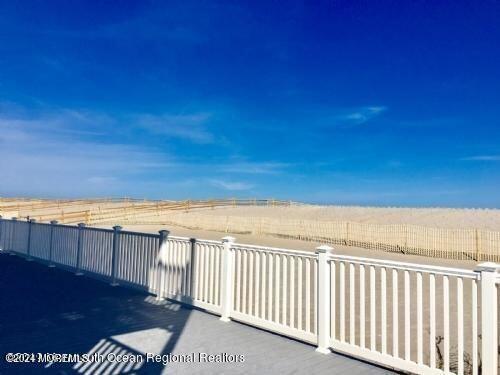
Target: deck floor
[(47, 310)]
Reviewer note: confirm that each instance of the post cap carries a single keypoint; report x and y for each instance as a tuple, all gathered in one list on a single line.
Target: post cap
[(164, 232), (228, 239), (488, 267), (192, 240), (324, 249), (53, 222), (81, 225), (32, 220), (117, 227)]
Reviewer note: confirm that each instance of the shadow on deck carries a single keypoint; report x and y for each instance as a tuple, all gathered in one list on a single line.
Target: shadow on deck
[(47, 310)]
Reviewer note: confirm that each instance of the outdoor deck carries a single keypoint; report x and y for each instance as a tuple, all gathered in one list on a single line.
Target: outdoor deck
[(47, 310)]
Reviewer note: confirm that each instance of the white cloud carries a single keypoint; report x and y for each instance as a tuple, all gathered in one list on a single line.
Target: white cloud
[(48, 155), (231, 185), (482, 158), (362, 115), (254, 168), (191, 127)]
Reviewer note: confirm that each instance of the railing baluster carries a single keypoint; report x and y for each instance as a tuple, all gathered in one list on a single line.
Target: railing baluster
[(419, 320), (192, 268), (264, 276), (171, 266), (352, 304), (395, 310), (244, 283), (300, 285), (185, 273), (333, 302), (373, 304), (257, 283), (460, 326), (292, 292), (198, 273), (432, 320), (217, 274), (212, 273), (446, 324), (284, 280), (251, 264), (362, 303), (270, 288), (315, 294), (277, 288), (474, 328), (206, 266), (201, 256), (407, 315), (239, 278), (383, 308), (342, 301), (308, 295)]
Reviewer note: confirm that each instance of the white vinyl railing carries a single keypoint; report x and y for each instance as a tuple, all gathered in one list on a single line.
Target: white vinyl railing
[(411, 317), (381, 313)]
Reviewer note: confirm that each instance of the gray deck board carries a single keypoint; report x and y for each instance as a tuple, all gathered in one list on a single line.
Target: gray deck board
[(46, 310)]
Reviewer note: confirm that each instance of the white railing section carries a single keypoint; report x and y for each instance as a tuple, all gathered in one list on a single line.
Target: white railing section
[(276, 289), (412, 317), (95, 254), (137, 259), (403, 315)]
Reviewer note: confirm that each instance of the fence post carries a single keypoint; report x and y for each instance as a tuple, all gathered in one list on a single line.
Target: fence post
[(81, 227), (192, 276), (30, 230), (227, 279), (115, 253), (489, 312), (324, 284), (162, 252), (13, 237), (1, 233), (51, 242)]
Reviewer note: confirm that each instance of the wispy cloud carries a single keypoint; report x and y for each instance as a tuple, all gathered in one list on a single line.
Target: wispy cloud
[(482, 158), (55, 154), (361, 115), (254, 168), (231, 185), (191, 127)]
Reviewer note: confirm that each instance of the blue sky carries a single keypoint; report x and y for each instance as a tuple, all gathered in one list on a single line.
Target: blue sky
[(344, 102)]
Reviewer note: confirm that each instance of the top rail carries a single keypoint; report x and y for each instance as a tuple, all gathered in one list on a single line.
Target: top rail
[(408, 266), (276, 250)]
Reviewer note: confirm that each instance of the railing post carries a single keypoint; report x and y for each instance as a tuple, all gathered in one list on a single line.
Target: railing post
[(1, 233), (162, 253), (81, 227), (324, 283), (30, 230), (115, 253), (13, 237), (489, 312), (192, 276), (227, 279), (51, 242)]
